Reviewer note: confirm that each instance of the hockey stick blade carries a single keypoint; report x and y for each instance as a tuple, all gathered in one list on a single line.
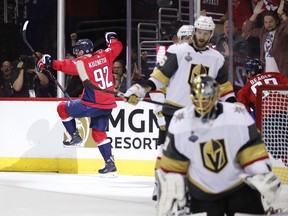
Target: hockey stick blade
[(25, 25)]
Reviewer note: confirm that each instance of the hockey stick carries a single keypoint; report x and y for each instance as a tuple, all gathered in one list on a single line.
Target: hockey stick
[(39, 57), (84, 77)]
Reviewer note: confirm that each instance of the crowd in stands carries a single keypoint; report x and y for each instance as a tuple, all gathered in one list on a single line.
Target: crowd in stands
[(261, 32)]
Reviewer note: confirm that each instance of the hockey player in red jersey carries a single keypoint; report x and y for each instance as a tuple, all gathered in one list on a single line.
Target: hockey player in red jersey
[(95, 104), (256, 77), (273, 118), (216, 147)]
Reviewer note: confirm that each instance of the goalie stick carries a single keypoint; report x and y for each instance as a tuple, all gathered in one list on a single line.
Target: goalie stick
[(39, 57), (83, 76)]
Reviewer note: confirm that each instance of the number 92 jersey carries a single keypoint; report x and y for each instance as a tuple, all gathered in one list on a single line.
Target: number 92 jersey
[(99, 70)]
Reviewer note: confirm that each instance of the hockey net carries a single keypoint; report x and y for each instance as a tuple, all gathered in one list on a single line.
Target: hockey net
[(272, 121)]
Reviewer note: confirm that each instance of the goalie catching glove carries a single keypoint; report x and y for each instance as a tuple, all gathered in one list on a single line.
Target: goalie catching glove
[(172, 193), (134, 94), (267, 184), (45, 61)]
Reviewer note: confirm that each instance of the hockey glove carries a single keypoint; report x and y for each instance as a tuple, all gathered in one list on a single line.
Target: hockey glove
[(172, 193), (160, 97), (160, 118), (134, 94), (109, 36), (267, 184), (45, 61)]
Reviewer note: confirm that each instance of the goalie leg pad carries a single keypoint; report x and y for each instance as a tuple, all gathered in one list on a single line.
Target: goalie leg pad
[(172, 192)]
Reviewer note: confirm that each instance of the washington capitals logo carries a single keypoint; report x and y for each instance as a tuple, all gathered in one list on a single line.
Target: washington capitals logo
[(188, 58), (193, 137)]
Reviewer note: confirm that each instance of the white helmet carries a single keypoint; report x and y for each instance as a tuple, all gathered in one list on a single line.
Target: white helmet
[(205, 23), (185, 30)]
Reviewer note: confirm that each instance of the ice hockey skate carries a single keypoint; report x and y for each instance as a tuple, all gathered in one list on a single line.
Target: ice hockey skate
[(76, 141), (109, 169)]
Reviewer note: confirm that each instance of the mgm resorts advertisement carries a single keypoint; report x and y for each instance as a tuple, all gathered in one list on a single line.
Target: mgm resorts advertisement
[(33, 128), (131, 129)]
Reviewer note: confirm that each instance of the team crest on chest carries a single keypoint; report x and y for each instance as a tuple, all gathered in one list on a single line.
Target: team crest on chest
[(196, 70), (214, 156)]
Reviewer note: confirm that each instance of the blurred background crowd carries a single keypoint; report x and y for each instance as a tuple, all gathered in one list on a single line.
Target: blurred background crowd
[(92, 18)]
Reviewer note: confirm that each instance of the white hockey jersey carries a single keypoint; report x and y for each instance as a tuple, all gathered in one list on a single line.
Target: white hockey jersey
[(212, 153), (181, 63)]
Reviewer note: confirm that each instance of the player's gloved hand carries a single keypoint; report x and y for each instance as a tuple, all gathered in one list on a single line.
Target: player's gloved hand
[(109, 36), (134, 94), (45, 61), (160, 117)]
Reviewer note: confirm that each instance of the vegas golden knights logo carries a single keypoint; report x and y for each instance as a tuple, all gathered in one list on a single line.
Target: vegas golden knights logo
[(82, 125), (197, 70), (214, 155)]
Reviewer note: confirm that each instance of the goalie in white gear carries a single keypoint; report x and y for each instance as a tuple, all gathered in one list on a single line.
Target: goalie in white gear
[(212, 144)]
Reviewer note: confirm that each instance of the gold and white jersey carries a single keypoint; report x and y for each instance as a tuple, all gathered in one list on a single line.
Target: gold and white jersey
[(214, 152), (181, 64)]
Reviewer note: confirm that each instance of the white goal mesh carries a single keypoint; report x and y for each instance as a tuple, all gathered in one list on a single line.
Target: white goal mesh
[(272, 120)]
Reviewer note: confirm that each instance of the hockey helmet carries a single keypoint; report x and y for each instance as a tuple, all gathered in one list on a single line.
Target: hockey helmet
[(253, 67), (205, 92), (205, 23), (185, 30), (83, 44)]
